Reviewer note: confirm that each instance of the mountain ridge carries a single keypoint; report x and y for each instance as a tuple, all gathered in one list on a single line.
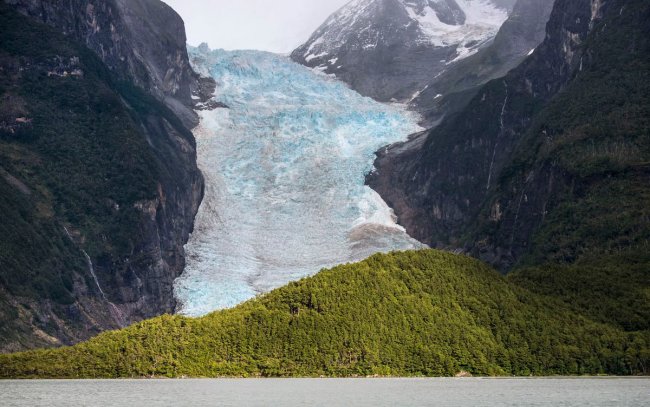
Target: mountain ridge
[(451, 90), (389, 49), (545, 74)]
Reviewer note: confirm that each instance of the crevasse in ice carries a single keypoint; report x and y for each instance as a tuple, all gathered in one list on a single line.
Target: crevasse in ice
[(284, 170)]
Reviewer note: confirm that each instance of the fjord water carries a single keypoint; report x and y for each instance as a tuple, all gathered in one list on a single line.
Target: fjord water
[(577, 392), (284, 168)]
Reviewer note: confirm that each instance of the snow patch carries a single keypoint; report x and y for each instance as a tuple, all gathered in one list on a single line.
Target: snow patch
[(483, 20), (310, 57), (317, 42)]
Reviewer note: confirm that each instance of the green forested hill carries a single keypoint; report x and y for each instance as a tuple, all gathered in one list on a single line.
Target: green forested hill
[(410, 313)]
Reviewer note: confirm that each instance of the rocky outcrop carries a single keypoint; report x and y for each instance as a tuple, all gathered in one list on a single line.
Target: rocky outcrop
[(98, 170), (498, 176), (143, 41)]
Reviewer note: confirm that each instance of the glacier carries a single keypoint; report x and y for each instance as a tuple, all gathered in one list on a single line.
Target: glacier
[(284, 169)]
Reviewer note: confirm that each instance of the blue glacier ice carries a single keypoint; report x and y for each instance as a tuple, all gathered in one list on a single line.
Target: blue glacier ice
[(284, 170)]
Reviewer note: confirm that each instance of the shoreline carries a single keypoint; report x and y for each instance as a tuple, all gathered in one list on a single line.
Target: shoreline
[(328, 378)]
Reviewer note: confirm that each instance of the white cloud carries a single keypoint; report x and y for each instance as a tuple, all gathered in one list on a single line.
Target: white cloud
[(270, 25)]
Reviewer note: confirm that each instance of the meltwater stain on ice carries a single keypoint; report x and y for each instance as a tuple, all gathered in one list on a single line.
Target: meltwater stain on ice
[(284, 170)]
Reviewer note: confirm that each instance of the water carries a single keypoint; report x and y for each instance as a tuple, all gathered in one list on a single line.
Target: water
[(606, 392), (284, 170)]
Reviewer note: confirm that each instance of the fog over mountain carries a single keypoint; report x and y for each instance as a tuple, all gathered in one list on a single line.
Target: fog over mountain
[(249, 24)]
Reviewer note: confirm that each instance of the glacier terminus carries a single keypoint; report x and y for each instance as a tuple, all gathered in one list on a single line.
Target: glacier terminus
[(284, 167)]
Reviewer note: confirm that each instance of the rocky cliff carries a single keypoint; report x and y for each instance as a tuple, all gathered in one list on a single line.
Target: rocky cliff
[(528, 172), (142, 41), (97, 166)]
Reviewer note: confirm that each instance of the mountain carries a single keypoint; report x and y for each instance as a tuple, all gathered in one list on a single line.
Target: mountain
[(98, 178), (542, 172), (546, 169), (391, 49), (401, 314)]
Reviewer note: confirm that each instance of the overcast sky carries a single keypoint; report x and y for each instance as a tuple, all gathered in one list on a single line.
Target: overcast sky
[(269, 25)]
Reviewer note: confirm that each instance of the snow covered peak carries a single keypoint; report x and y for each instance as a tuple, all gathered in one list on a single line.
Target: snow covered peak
[(392, 33), (360, 22), (437, 22)]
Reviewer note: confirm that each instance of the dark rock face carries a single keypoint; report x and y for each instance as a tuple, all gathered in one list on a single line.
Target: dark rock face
[(391, 49), (144, 289), (143, 41), (134, 212), (493, 178)]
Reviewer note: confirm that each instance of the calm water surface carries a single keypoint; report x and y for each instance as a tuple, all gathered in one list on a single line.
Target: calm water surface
[(329, 392)]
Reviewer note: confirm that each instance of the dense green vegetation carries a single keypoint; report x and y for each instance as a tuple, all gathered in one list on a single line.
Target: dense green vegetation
[(411, 313), (610, 289), (82, 156), (597, 134), (592, 250)]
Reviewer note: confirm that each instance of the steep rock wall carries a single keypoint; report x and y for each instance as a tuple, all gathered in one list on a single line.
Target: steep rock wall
[(496, 178), (99, 178), (142, 41)]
